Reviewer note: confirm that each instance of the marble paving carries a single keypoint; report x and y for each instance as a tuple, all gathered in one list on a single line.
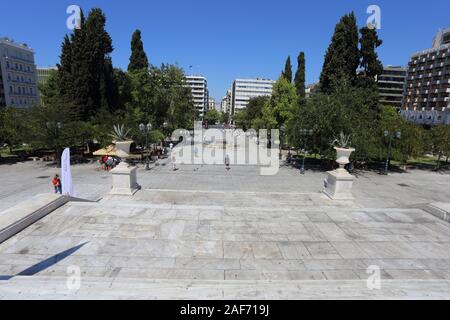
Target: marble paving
[(230, 236)]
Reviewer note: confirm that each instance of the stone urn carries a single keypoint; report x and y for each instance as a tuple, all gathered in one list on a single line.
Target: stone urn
[(343, 156), (338, 183), (123, 145)]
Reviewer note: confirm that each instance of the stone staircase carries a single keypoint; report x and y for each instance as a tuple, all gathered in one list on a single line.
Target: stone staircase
[(38, 287), (187, 244)]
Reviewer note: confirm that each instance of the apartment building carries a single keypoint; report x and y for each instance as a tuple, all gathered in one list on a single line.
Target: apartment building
[(200, 94), (390, 86), (43, 73), (227, 102), (18, 77), (211, 103), (427, 89), (245, 89)]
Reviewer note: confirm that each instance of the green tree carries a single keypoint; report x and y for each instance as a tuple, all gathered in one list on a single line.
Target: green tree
[(299, 79), (160, 96), (369, 42), (138, 59), (342, 56), (86, 75), (212, 116), (124, 87), (439, 138), (225, 117), (287, 72), (281, 106), (13, 127), (254, 110)]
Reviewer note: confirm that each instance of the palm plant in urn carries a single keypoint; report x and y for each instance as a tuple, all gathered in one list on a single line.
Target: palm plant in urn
[(121, 139), (341, 145)]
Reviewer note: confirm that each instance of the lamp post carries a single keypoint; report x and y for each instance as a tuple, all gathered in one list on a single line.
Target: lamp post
[(305, 133), (54, 127), (146, 130), (282, 131), (390, 135)]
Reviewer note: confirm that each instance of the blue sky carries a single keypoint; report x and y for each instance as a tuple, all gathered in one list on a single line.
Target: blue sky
[(224, 40)]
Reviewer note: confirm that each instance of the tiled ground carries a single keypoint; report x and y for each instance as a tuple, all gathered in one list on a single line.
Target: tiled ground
[(177, 235)]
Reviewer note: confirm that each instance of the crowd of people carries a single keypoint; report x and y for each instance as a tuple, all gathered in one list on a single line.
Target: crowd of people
[(107, 162)]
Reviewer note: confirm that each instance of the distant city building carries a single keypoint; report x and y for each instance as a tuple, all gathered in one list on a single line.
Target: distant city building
[(427, 88), (390, 86), (211, 103), (218, 106), (245, 89), (43, 73), (200, 94), (227, 102), (310, 89), (18, 79)]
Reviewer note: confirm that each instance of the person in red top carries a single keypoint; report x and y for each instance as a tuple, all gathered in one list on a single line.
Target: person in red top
[(56, 182)]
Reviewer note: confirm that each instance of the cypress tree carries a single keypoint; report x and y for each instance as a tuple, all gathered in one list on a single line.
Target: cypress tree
[(65, 67), (98, 47), (80, 71), (287, 73), (299, 80), (85, 73), (369, 58), (138, 58), (342, 56)]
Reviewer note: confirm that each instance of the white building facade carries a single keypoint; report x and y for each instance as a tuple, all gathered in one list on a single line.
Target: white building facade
[(245, 89), (199, 87), (18, 76), (211, 103), (227, 102)]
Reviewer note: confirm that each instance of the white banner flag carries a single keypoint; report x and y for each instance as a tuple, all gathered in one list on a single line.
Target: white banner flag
[(66, 175)]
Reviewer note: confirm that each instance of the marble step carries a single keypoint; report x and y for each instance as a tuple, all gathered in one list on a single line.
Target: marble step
[(38, 287)]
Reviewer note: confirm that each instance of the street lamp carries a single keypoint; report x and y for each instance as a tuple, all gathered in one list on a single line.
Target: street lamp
[(282, 131), (390, 135), (305, 133), (54, 127), (146, 130)]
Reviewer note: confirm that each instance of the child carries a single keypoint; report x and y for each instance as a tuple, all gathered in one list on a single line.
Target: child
[(56, 182)]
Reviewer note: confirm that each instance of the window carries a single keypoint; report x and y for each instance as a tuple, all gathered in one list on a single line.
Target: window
[(12, 101), (7, 64), (11, 90)]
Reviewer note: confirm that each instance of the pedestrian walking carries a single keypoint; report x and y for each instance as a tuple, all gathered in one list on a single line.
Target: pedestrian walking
[(56, 182), (227, 162), (174, 166)]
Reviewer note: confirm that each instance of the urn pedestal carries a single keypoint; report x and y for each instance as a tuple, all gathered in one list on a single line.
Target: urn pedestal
[(338, 185), (124, 180)]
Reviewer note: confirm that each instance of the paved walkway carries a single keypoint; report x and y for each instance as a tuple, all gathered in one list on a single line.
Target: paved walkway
[(24, 180), (205, 232)]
